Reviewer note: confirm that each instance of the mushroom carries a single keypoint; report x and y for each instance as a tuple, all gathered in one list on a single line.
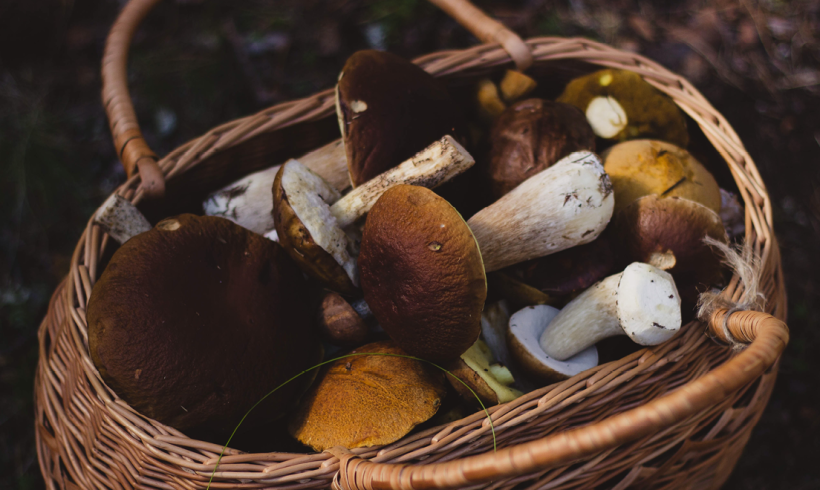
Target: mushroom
[(489, 103), (121, 219), (523, 333), (180, 302), (668, 232), (363, 401), (621, 105), (247, 202), (643, 167), (421, 273), (339, 323), (389, 109), (516, 85), (490, 381), (530, 136), (568, 204), (310, 215), (641, 302)]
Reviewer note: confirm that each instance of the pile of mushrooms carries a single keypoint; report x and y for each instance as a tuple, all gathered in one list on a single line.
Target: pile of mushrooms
[(362, 247)]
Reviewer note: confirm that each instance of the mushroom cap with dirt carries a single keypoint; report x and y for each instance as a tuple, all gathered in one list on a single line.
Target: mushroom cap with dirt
[(363, 401), (621, 105), (180, 302), (422, 274)]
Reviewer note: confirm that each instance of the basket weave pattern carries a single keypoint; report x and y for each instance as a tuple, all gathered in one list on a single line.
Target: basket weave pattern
[(89, 438)]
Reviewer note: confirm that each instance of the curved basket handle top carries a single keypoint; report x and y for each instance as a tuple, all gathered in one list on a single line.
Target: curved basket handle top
[(128, 140), (768, 337)]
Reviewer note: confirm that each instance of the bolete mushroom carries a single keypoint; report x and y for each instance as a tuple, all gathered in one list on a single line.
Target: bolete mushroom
[(310, 216), (339, 323), (363, 401), (477, 370), (621, 105), (643, 167), (523, 333), (641, 302), (421, 273), (530, 136), (389, 109), (184, 311), (516, 85), (247, 202), (668, 232)]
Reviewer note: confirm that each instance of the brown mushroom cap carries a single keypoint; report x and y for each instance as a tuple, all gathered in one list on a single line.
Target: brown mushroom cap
[(642, 167), (649, 112), (195, 320), (530, 136), (389, 109), (362, 401), (422, 274), (339, 323), (301, 210), (668, 233)]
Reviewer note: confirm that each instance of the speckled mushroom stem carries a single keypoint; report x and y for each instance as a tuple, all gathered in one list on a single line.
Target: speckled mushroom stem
[(641, 302), (431, 167), (121, 219)]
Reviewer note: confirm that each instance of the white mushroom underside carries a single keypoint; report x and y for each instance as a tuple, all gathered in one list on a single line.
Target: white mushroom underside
[(247, 202), (310, 197), (528, 324)]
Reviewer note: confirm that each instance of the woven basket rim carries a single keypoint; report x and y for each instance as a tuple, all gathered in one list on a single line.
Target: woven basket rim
[(64, 328)]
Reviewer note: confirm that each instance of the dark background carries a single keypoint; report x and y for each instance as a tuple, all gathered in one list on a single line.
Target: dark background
[(196, 64)]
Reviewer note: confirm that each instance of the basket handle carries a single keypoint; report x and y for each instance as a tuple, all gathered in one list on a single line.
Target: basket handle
[(131, 147), (768, 337)]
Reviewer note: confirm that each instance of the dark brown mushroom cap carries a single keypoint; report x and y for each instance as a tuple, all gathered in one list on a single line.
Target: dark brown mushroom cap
[(422, 274), (572, 270), (650, 113), (297, 240), (362, 401), (670, 230), (339, 323), (197, 319), (389, 109), (530, 136)]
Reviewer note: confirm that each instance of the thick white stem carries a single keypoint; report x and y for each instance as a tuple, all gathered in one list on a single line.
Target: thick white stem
[(590, 317), (430, 168), (248, 201), (121, 219), (568, 204)]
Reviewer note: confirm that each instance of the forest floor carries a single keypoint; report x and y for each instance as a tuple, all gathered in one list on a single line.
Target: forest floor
[(197, 64)]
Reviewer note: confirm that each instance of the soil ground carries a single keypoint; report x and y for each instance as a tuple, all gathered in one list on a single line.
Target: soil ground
[(196, 64)]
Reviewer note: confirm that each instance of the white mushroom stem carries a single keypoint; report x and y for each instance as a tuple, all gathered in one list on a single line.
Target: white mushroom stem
[(121, 219), (641, 302), (248, 203), (431, 167), (567, 204)]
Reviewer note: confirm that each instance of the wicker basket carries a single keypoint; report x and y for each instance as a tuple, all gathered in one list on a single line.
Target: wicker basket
[(674, 416)]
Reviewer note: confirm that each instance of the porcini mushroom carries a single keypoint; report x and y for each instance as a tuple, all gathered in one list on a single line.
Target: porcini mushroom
[(365, 400), (180, 302), (389, 109), (523, 333), (247, 202), (530, 136), (310, 215), (339, 323), (641, 302), (620, 105), (643, 167), (516, 85), (489, 380)]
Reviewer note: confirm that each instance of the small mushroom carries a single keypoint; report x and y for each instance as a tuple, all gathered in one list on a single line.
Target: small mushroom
[(668, 232), (641, 302), (530, 136), (489, 380), (183, 300), (523, 333), (421, 273), (247, 202), (363, 401), (621, 105), (310, 216), (643, 167), (339, 323), (389, 109), (489, 103), (516, 85), (568, 204)]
